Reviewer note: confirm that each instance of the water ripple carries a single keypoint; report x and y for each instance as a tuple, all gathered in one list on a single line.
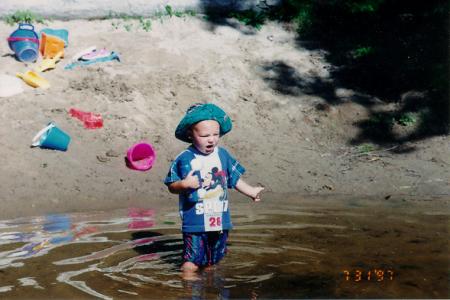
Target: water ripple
[(137, 254)]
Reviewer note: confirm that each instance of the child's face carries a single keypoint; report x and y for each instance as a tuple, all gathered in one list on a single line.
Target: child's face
[(205, 136)]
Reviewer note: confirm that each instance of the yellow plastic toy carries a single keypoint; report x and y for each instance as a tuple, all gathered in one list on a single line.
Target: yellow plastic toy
[(49, 63), (34, 80), (51, 45)]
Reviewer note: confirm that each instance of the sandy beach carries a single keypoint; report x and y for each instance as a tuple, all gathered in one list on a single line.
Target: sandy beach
[(289, 139)]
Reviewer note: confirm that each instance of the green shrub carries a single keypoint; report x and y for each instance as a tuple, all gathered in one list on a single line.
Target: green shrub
[(365, 6), (146, 24), (24, 16), (169, 10), (361, 52), (366, 148), (250, 18), (407, 119), (303, 20)]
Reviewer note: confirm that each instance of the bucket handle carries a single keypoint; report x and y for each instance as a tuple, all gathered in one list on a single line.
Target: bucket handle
[(36, 140), (17, 39), (22, 25)]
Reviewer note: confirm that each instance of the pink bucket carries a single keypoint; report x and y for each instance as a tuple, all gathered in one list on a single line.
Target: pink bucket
[(141, 156)]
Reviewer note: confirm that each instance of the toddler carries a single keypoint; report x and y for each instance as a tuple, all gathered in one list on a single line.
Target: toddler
[(201, 175)]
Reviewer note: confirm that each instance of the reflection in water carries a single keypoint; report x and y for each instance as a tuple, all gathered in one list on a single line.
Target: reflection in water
[(141, 218), (48, 233), (283, 251)]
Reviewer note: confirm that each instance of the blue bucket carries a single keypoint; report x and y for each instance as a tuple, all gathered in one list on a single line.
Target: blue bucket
[(51, 137), (24, 41)]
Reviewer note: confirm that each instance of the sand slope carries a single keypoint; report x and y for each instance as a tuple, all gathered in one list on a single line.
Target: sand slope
[(279, 135)]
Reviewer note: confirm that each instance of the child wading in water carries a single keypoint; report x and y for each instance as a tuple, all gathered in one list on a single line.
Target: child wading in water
[(201, 175)]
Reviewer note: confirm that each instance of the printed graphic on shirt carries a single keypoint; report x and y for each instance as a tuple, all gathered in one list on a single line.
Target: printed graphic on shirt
[(212, 193)]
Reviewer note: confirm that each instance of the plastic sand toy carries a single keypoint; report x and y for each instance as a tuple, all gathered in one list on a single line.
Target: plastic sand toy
[(96, 54), (51, 45), (141, 156), (51, 137), (34, 80), (24, 42), (112, 56), (49, 63), (89, 119), (62, 34), (79, 54)]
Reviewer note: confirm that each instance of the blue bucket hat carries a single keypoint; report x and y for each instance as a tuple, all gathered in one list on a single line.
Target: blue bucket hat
[(202, 112)]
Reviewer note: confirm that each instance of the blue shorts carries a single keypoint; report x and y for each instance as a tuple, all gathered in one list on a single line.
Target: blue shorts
[(204, 248)]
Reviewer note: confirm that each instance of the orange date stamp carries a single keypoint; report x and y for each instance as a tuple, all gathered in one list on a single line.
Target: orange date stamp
[(375, 275)]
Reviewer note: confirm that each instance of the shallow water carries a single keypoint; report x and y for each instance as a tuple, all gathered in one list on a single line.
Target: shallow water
[(281, 248)]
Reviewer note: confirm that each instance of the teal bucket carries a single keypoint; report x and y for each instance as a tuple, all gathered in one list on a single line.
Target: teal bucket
[(24, 41), (51, 137)]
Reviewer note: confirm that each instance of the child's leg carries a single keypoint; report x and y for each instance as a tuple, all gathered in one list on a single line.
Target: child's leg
[(217, 246), (193, 255), (203, 249), (193, 250), (189, 271), (187, 266)]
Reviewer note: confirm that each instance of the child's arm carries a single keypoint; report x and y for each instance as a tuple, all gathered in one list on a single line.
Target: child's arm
[(190, 182), (253, 192)]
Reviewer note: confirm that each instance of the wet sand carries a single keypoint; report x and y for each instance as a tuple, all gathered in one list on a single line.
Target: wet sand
[(334, 247)]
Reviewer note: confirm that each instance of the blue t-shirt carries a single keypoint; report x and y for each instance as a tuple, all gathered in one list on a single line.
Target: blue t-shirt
[(206, 208)]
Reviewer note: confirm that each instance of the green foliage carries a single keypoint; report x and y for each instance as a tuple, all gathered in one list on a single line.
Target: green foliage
[(127, 26), (250, 18), (24, 16), (310, 14), (169, 10), (128, 22), (407, 119), (366, 148), (190, 12), (145, 24), (364, 6), (304, 19), (159, 14), (361, 52), (116, 24), (299, 12)]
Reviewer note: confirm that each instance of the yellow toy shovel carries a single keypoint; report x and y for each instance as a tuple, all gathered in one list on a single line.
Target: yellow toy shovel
[(49, 63), (33, 79)]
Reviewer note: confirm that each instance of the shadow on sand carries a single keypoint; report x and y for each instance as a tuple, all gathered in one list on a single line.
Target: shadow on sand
[(394, 59)]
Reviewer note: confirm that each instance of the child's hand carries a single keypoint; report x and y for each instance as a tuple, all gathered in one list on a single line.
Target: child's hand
[(253, 192), (256, 195), (191, 181)]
